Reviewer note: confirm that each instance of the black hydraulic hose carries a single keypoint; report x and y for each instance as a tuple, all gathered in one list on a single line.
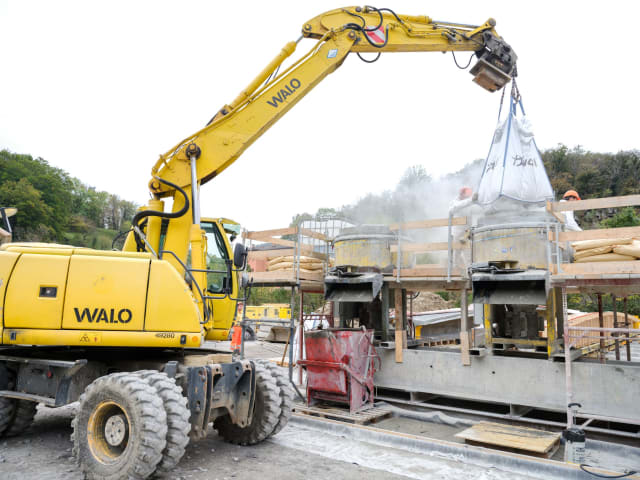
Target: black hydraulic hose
[(154, 213), (584, 466)]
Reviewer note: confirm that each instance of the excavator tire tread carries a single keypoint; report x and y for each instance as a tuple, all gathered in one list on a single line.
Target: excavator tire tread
[(178, 426), (265, 415), (148, 440), (287, 395), (7, 409), (23, 415)]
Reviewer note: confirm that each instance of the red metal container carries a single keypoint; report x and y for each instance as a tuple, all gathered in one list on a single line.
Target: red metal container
[(340, 366)]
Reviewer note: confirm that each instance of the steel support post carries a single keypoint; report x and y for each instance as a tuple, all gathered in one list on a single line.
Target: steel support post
[(601, 325)]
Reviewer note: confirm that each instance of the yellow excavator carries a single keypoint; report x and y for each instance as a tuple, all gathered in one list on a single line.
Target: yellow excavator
[(122, 331)]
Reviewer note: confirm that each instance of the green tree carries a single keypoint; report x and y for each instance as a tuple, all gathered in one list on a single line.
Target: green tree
[(34, 219), (627, 217)]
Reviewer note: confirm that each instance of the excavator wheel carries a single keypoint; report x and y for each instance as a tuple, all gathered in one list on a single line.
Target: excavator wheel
[(178, 426), (265, 415), (15, 415), (120, 428), (287, 395), (24, 412), (7, 409)]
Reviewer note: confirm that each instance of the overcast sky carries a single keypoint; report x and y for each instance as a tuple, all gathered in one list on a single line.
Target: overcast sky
[(101, 88)]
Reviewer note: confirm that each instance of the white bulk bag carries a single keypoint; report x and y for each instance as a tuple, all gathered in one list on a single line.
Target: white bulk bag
[(514, 168)]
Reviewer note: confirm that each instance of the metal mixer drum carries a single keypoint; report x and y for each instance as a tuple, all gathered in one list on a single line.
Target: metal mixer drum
[(369, 246), (524, 243)]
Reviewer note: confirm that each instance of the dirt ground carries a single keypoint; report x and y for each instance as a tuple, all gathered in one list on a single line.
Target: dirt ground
[(44, 452)]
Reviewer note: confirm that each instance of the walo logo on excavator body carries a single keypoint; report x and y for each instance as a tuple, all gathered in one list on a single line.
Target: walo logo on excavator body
[(106, 315), (288, 90)]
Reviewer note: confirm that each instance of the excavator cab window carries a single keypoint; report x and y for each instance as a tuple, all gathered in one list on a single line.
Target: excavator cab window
[(217, 259)]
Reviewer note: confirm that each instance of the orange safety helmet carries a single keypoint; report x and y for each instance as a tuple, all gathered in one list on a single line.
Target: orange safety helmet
[(571, 193), (465, 192)]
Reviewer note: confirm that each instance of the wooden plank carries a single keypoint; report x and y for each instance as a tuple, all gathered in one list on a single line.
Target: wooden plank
[(429, 247), (312, 234), (558, 216), (600, 268), (269, 254), (435, 222), (285, 276), (604, 233), (464, 349), (511, 436), (606, 202), (427, 271), (276, 232), (276, 241), (361, 417)]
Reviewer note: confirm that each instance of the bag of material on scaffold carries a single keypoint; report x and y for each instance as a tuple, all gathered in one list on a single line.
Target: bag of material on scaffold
[(514, 169)]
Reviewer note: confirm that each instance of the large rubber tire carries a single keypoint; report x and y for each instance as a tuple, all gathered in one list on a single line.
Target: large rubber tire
[(24, 412), (178, 426), (287, 394), (266, 413), (131, 398), (7, 410)]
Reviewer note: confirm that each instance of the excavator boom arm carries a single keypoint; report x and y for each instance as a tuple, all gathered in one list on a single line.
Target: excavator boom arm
[(339, 32)]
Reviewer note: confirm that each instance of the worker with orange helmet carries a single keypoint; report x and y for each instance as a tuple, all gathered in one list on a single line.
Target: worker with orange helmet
[(569, 220)]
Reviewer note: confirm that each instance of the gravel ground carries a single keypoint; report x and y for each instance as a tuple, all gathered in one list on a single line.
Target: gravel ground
[(44, 451)]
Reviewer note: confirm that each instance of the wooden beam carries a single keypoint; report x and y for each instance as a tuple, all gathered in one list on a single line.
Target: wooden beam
[(604, 233), (276, 232), (435, 222), (269, 254), (284, 276), (429, 247), (600, 268), (558, 216), (312, 234), (427, 271), (277, 241), (593, 203)]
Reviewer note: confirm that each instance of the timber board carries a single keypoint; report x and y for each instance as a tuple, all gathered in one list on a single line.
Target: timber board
[(512, 437), (363, 417)]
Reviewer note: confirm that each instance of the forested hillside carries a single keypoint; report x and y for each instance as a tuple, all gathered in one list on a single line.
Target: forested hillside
[(55, 207), (417, 195)]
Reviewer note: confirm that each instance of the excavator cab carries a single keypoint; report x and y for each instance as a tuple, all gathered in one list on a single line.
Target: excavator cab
[(222, 279)]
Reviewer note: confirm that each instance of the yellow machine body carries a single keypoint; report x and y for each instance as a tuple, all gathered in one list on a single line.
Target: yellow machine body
[(60, 295)]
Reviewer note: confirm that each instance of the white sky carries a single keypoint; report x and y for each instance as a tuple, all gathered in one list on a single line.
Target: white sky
[(101, 88)]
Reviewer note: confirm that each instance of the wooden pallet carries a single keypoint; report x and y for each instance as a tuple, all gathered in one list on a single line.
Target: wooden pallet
[(363, 417), (512, 438)]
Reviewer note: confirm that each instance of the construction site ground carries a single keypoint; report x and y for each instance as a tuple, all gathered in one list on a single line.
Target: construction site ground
[(299, 451)]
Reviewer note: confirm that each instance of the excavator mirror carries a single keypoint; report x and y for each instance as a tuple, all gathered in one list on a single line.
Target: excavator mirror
[(239, 256)]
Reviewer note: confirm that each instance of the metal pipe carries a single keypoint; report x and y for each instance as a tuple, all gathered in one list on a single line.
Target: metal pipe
[(195, 198), (626, 324), (449, 247), (301, 336), (567, 358), (615, 325), (605, 329), (292, 329), (601, 324)]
